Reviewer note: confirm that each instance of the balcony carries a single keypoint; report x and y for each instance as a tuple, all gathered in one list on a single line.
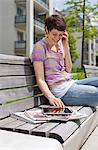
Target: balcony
[(21, 2), (20, 48), (39, 26), (41, 6), (20, 21)]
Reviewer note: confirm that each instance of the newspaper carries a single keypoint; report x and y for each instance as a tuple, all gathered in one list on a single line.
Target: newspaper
[(46, 114)]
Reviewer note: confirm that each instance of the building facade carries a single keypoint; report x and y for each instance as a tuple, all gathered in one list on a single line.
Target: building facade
[(22, 24)]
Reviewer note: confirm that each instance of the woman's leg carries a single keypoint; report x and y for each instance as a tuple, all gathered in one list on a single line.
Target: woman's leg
[(81, 95), (88, 81)]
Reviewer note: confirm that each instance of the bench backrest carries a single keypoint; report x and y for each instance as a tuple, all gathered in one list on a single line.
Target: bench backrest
[(91, 71), (18, 88)]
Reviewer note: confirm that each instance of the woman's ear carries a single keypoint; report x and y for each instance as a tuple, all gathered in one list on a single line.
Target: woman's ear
[(46, 30)]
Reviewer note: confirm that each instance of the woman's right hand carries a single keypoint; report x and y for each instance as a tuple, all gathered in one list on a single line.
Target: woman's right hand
[(56, 102)]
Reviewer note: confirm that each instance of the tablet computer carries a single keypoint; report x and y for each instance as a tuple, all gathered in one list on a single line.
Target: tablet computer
[(53, 110)]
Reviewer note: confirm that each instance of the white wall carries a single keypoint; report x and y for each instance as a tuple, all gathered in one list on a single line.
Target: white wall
[(7, 26), (50, 7)]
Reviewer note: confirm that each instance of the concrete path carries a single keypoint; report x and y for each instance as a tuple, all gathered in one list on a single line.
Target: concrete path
[(92, 142)]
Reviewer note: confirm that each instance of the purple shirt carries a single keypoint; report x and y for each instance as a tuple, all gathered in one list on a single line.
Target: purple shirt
[(53, 61)]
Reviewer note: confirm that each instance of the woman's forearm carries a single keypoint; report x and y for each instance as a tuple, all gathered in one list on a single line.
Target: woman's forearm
[(44, 88), (52, 99), (68, 62)]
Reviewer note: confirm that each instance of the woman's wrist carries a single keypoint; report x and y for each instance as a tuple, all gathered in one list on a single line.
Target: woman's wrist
[(51, 97)]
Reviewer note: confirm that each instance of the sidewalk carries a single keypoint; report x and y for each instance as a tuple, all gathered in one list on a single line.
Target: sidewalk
[(92, 142)]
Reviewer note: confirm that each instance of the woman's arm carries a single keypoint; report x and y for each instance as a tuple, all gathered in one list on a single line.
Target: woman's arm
[(67, 59), (39, 72)]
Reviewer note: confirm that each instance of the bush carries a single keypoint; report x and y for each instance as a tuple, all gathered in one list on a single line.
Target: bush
[(78, 73)]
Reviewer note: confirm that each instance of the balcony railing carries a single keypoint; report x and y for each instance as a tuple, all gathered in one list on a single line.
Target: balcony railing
[(20, 19), (39, 19), (20, 44), (20, 2), (42, 2), (38, 23)]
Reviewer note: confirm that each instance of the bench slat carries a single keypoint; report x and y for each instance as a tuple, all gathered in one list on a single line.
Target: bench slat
[(5, 110), (43, 130), (26, 128), (10, 59), (91, 71), (13, 70), (18, 93), (6, 120), (16, 81), (12, 125)]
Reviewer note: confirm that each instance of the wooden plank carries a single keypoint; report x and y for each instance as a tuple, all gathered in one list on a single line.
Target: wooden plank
[(26, 128), (13, 70), (6, 110), (91, 71), (11, 59), (6, 120), (43, 130), (18, 93), (16, 81), (12, 125), (63, 131)]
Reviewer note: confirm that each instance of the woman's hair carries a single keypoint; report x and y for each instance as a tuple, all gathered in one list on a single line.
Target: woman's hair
[(55, 22)]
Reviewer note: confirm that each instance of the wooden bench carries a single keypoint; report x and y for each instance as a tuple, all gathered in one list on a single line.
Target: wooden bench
[(91, 71), (19, 92)]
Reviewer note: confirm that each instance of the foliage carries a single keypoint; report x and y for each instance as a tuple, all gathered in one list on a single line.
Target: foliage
[(78, 76), (78, 73), (74, 17), (77, 69), (73, 48)]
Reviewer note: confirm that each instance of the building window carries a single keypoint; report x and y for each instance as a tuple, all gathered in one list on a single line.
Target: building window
[(92, 57), (92, 46), (96, 40), (20, 36), (86, 46), (19, 11)]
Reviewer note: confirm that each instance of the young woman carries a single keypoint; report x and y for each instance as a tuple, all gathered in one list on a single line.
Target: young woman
[(52, 65)]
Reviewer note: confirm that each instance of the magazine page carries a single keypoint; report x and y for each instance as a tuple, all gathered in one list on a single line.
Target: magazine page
[(27, 117), (37, 115)]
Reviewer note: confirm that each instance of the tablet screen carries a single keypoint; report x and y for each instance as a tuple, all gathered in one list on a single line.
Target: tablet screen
[(56, 111)]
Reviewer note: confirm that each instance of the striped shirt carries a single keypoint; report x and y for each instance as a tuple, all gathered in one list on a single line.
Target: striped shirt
[(53, 62)]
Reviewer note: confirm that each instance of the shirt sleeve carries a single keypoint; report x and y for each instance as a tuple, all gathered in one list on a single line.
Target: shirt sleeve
[(38, 53)]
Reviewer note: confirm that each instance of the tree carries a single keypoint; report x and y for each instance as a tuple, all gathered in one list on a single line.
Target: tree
[(78, 18), (73, 48), (74, 17)]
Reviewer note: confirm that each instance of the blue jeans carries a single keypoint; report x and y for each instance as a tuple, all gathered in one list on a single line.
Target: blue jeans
[(82, 92)]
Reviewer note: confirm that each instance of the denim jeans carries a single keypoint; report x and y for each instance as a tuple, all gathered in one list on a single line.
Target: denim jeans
[(82, 92)]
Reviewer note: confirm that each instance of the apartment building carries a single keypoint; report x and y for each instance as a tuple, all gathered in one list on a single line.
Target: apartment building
[(22, 24)]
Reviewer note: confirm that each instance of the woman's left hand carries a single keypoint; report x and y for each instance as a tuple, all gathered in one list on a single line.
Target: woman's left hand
[(65, 37)]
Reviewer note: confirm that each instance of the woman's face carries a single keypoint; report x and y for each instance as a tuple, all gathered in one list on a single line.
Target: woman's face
[(55, 35)]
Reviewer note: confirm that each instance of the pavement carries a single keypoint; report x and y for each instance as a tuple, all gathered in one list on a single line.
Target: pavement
[(92, 141)]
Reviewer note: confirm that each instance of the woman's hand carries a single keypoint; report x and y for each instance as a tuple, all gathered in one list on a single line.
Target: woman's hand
[(65, 37), (56, 102)]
